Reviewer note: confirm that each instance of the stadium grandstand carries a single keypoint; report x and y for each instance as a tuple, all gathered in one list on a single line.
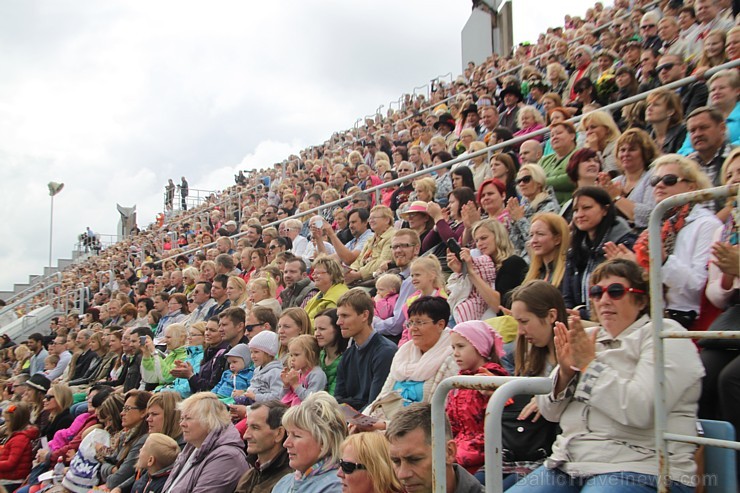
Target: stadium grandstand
[(295, 331)]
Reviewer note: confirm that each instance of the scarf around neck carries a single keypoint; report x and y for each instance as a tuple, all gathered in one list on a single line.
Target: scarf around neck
[(411, 364)]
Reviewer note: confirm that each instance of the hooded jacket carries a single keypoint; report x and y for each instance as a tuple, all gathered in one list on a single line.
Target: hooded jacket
[(16, 455), (216, 466), (195, 357), (231, 382)]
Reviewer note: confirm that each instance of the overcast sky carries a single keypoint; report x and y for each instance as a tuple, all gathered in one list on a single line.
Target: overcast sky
[(114, 97)]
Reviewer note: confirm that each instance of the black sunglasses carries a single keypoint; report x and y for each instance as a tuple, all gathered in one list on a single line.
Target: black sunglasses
[(250, 327), (665, 66), (523, 179), (350, 467), (668, 180), (48, 397), (616, 291)]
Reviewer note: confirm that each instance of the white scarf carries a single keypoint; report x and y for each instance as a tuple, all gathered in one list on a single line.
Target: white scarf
[(410, 364)]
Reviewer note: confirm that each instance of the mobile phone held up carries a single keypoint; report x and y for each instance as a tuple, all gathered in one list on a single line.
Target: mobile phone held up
[(454, 247)]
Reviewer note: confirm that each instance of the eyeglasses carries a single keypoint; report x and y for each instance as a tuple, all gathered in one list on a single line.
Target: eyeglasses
[(357, 201), (272, 247), (616, 291), (668, 180), (48, 397), (523, 179), (126, 409), (665, 66), (647, 26), (417, 323), (350, 467)]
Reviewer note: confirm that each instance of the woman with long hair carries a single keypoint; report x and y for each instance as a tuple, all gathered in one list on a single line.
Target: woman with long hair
[(236, 291), (531, 181), (548, 246), (329, 337), (365, 465), (595, 223), (292, 323)]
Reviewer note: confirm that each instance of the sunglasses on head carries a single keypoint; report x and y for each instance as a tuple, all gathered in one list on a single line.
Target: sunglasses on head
[(668, 180), (616, 291), (524, 179), (665, 66), (350, 467)]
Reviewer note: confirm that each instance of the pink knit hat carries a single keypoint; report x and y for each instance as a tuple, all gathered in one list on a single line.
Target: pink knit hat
[(482, 337)]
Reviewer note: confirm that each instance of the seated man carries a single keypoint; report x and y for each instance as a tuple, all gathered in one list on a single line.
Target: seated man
[(377, 250), (410, 437)]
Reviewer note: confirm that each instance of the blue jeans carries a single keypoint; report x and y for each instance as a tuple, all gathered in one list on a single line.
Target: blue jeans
[(79, 408), (546, 480)]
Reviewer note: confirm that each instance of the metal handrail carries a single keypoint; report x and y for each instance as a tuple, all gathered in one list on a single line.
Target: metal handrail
[(29, 297), (505, 388), (484, 151), (34, 285), (657, 307)]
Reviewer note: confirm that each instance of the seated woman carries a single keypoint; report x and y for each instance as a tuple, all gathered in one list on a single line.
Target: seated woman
[(236, 291), (548, 247), (156, 368), (329, 337), (664, 113), (315, 431), (418, 219), (57, 402), (720, 356), (531, 181), (601, 136), (687, 237), (428, 280), (163, 415), (118, 470), (261, 292), (632, 192), (194, 347), (492, 200), (595, 224), (329, 280), (447, 226), (608, 377), (529, 120), (292, 323), (421, 364), (491, 271), (213, 459), (504, 167), (583, 170), (462, 177), (366, 467), (16, 455), (479, 164)]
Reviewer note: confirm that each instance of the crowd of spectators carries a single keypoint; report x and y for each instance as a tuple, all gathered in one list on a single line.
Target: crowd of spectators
[(255, 342)]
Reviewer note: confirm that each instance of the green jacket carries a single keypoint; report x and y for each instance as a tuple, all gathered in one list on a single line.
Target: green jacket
[(156, 369), (557, 178)]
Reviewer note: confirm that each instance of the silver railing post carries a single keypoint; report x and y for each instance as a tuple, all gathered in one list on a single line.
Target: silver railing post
[(505, 388)]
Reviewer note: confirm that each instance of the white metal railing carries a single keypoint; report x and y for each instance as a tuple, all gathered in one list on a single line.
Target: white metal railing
[(505, 388), (657, 307), (35, 284)]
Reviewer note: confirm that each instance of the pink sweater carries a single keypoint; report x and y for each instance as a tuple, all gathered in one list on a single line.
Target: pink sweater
[(62, 437)]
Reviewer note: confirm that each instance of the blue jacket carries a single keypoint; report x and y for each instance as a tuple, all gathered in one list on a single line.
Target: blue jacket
[(181, 385), (230, 382)]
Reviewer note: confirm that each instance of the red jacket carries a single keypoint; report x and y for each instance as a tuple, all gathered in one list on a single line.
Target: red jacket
[(466, 409), (16, 455)]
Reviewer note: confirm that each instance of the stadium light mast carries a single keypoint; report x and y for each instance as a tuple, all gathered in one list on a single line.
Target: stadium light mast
[(54, 189)]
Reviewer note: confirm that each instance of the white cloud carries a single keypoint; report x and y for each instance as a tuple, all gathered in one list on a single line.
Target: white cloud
[(112, 98)]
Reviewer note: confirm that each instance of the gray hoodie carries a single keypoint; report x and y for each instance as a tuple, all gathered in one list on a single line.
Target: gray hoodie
[(266, 383)]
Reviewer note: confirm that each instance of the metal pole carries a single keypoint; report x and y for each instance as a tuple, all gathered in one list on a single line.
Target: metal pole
[(505, 388), (657, 306), (51, 228)]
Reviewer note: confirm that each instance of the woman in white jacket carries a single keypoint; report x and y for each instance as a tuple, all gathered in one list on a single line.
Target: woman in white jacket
[(603, 395)]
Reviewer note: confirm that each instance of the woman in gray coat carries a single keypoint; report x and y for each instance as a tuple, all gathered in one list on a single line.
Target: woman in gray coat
[(213, 459)]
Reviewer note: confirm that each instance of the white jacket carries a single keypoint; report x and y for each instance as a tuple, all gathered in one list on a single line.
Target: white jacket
[(607, 413)]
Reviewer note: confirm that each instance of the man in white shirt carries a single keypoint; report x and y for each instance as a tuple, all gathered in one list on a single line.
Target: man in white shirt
[(59, 347), (301, 246)]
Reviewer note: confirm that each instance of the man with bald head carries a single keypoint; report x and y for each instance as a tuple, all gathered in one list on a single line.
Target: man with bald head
[(530, 152)]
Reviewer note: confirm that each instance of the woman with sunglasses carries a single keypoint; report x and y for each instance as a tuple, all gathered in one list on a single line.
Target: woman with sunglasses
[(594, 223), (531, 182), (603, 395), (686, 235), (366, 467), (315, 430), (57, 402)]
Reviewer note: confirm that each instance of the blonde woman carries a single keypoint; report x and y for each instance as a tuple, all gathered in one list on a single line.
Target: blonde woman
[(602, 134), (479, 164), (548, 246), (531, 181)]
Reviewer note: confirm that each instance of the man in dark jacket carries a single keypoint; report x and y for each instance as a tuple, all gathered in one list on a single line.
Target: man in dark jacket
[(265, 452), (672, 68), (298, 286), (87, 356)]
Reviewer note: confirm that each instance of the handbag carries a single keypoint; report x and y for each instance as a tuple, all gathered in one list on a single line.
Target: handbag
[(525, 440)]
